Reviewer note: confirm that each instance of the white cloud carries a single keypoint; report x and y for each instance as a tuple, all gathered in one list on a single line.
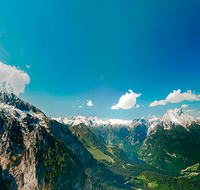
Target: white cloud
[(142, 117), (156, 103), (127, 101), (90, 103), (28, 66), (80, 107), (137, 106), (12, 79), (176, 96), (184, 106)]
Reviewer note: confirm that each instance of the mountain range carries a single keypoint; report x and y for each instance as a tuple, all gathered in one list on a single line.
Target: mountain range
[(37, 152), (172, 117), (130, 134)]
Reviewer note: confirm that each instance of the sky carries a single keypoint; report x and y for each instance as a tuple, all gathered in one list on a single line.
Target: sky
[(110, 59)]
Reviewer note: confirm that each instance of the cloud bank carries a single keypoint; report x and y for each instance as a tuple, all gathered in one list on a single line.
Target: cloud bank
[(176, 97), (12, 79), (127, 101), (90, 103)]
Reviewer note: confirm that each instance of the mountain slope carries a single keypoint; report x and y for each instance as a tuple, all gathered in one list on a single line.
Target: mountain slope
[(123, 170), (174, 118), (123, 133), (175, 149), (36, 152), (39, 153)]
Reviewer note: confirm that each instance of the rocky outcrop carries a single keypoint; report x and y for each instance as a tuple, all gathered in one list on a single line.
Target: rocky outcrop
[(37, 152), (12, 100)]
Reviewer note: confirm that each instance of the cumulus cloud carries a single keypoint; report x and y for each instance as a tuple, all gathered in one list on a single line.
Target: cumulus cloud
[(137, 106), (156, 103), (127, 101), (12, 79), (184, 106), (176, 96), (90, 103), (80, 107)]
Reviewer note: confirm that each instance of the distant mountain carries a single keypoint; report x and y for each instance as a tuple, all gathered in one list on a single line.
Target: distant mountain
[(153, 119), (173, 142), (168, 142), (173, 118), (131, 135), (123, 133), (96, 122)]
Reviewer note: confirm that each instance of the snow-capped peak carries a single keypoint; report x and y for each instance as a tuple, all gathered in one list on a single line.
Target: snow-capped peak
[(153, 119), (176, 117), (96, 122), (15, 107), (173, 118), (11, 99)]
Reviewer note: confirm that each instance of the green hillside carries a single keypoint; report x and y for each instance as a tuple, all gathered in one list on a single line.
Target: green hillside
[(116, 171), (163, 182), (173, 149), (128, 139)]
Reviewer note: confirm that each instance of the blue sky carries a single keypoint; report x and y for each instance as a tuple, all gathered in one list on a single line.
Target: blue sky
[(65, 51)]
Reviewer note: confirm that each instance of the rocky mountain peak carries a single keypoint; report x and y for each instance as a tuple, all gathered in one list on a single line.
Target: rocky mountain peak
[(153, 119), (176, 117), (176, 111), (97, 122), (173, 118), (11, 99), (26, 136)]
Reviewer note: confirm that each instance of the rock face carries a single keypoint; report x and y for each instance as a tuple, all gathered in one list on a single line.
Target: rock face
[(37, 152), (11, 99), (173, 118)]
